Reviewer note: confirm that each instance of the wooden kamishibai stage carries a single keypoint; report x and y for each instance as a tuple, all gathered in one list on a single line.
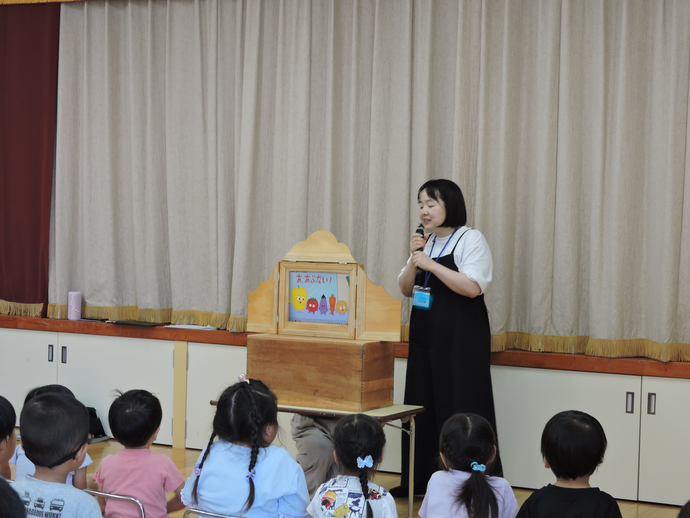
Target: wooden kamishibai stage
[(327, 331), (352, 375)]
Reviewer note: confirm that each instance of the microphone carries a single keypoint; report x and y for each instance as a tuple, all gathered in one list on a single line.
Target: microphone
[(420, 231)]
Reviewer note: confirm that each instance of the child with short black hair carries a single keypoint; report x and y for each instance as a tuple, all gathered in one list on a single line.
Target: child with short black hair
[(573, 445), (10, 504), (467, 448), (135, 419), (242, 474), (55, 436), (359, 442), (24, 466), (8, 439)]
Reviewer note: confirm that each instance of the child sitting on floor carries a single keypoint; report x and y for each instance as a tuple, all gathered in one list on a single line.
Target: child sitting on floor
[(8, 439), (241, 474), (55, 437), (573, 445), (467, 447), (24, 467), (135, 419), (359, 442)]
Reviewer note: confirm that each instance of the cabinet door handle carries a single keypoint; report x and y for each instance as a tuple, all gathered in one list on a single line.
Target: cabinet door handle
[(64, 354), (50, 352), (629, 402), (651, 403)]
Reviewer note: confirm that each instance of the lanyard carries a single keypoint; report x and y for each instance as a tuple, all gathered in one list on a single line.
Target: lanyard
[(428, 274)]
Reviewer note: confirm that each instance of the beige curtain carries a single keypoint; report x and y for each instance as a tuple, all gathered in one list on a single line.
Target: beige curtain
[(199, 140)]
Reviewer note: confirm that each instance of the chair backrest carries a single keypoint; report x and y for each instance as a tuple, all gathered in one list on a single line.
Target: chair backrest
[(118, 497), (199, 512)]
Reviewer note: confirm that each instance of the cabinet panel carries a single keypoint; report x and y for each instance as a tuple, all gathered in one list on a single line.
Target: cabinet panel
[(527, 398), (211, 368), (97, 366), (25, 363), (664, 448)]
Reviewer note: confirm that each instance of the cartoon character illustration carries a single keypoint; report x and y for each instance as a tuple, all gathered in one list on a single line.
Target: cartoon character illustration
[(298, 295), (328, 501), (331, 303), (312, 305), (341, 307), (323, 305)]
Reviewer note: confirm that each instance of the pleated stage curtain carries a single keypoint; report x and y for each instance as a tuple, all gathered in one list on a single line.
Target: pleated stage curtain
[(199, 140), (28, 87)]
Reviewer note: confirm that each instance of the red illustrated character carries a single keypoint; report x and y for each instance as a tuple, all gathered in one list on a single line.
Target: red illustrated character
[(312, 305)]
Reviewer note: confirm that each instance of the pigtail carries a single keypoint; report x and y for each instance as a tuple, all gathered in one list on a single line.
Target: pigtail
[(477, 495), (197, 469), (364, 482), (256, 424)]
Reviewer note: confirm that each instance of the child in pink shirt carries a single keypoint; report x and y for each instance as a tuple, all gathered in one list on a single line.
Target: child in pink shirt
[(135, 419)]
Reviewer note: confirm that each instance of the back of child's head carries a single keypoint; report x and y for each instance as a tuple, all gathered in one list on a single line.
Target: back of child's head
[(134, 417), (8, 419), (573, 443), (10, 504), (243, 411), (684, 511), (359, 442), (468, 443), (47, 389), (54, 427)]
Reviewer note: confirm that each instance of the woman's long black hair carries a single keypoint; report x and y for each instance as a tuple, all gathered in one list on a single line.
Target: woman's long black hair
[(243, 410), (359, 436), (468, 443)]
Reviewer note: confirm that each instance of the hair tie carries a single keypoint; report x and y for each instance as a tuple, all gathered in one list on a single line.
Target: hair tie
[(477, 467), (367, 462), (242, 378), (197, 470), (251, 474)]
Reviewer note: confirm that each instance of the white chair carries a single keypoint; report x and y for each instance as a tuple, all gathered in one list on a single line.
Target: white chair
[(118, 497), (199, 512)]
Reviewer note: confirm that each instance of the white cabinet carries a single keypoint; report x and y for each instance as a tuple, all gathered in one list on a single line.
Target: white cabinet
[(29, 360), (645, 420), (93, 367), (526, 399), (664, 447)]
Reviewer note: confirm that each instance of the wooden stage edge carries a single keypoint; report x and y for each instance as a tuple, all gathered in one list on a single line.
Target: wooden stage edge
[(513, 358)]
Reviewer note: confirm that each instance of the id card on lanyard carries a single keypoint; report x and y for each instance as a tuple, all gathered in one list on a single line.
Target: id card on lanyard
[(421, 295)]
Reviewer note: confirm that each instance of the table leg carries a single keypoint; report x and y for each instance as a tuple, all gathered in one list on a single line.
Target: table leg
[(410, 496)]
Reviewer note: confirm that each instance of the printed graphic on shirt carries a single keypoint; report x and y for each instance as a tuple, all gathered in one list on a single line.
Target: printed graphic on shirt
[(339, 502), (39, 507)]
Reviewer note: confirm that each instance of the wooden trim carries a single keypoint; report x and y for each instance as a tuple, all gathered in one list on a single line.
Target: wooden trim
[(99, 328), (557, 361)]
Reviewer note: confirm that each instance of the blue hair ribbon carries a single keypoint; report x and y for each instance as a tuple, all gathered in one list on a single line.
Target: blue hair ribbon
[(477, 467), (366, 462)]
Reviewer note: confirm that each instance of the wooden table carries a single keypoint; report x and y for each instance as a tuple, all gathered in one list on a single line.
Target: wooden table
[(383, 415)]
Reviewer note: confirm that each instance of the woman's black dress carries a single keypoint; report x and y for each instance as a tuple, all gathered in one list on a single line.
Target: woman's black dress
[(447, 370)]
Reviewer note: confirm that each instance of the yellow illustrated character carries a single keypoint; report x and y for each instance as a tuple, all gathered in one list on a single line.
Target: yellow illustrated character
[(341, 307), (298, 296)]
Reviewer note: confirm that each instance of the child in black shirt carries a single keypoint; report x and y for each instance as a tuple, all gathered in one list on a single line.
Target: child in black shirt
[(573, 445)]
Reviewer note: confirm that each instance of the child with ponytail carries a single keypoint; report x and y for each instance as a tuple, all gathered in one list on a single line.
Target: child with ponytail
[(241, 474), (468, 447), (358, 441)]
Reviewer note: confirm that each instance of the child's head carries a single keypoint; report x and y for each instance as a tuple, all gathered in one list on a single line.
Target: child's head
[(55, 430), (8, 440), (10, 504), (684, 511), (449, 194), (359, 442), (247, 413), (135, 417), (47, 389), (468, 443), (573, 444)]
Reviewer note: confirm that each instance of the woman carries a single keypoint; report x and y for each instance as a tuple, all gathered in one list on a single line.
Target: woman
[(450, 338)]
